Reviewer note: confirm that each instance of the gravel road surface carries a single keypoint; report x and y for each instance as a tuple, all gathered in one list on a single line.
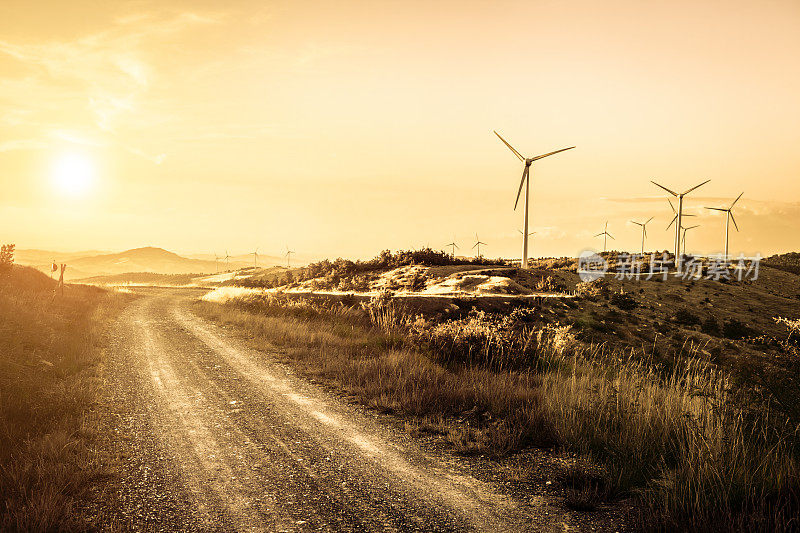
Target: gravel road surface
[(212, 435)]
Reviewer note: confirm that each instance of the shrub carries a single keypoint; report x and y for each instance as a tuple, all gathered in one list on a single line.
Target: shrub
[(734, 329), (685, 317), (623, 300), (710, 326), (6, 257), (591, 290)]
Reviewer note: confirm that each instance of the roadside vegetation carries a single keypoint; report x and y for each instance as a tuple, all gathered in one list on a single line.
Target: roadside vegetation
[(694, 442), (49, 358)]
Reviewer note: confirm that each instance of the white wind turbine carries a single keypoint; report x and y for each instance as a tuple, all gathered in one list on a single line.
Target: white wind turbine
[(288, 255), (227, 262), (478, 244), (255, 258), (728, 218), (605, 235), (644, 230), (678, 216), (526, 182), (453, 246), (684, 236)]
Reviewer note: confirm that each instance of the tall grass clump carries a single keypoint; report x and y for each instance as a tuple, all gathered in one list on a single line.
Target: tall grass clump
[(49, 357), (687, 444)]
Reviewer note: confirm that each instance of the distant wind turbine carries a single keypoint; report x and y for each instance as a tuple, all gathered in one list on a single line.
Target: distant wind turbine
[(216, 263), (227, 262), (684, 236), (605, 235), (255, 258), (644, 230), (478, 244), (678, 216), (728, 218), (453, 246), (526, 182), (288, 255)]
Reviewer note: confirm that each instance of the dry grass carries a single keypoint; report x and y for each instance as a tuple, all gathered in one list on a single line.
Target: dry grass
[(687, 444), (48, 382)]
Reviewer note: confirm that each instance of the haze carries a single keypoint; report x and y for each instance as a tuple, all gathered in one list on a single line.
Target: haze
[(341, 129)]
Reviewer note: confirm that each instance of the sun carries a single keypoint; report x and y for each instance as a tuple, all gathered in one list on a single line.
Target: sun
[(73, 173)]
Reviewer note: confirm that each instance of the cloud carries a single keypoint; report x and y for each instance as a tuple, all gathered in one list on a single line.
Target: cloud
[(22, 144), (108, 70)]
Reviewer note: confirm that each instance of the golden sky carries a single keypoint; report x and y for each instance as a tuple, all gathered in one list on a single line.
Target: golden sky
[(342, 128)]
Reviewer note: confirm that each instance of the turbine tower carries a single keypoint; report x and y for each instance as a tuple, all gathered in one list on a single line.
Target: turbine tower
[(526, 182), (255, 258), (288, 255), (478, 244), (728, 218), (684, 236), (678, 216), (605, 235), (227, 262), (644, 229)]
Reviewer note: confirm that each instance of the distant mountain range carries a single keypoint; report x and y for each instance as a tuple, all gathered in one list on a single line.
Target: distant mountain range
[(89, 264)]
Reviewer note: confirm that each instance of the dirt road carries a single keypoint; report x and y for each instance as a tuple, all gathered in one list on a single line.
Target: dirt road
[(213, 435)]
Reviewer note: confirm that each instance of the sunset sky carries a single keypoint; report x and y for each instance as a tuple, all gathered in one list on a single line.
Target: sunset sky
[(342, 128)]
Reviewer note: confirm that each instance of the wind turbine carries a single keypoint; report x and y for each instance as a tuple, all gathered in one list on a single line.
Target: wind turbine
[(216, 263), (605, 235), (527, 182), (644, 229), (678, 216), (288, 255), (453, 246), (255, 258), (684, 236), (728, 218), (478, 244), (227, 262)]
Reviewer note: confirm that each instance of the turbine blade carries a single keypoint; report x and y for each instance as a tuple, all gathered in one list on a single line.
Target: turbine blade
[(638, 223), (510, 147), (521, 183), (692, 227), (737, 199), (716, 208), (696, 186), (611, 236), (672, 222), (669, 191), (550, 153), (598, 234), (474, 245), (735, 225), (672, 206), (648, 220)]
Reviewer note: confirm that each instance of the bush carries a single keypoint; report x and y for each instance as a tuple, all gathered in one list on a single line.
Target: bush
[(710, 326), (6, 257), (591, 290), (623, 300), (734, 329), (685, 317)]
